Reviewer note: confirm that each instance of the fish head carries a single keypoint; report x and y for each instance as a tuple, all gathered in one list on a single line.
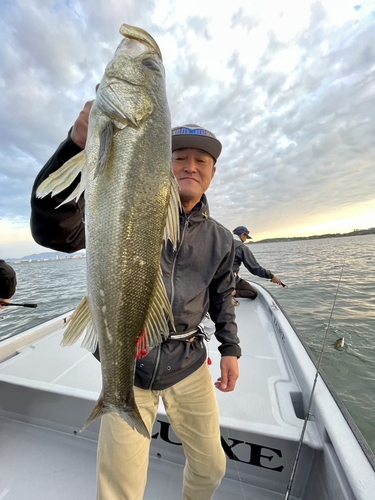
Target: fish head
[(133, 85)]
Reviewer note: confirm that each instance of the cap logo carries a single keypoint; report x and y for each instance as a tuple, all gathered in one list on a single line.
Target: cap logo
[(188, 130)]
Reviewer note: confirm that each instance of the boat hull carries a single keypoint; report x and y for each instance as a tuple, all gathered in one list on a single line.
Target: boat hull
[(46, 393)]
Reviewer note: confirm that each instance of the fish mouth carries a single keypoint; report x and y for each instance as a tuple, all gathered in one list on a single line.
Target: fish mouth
[(141, 36)]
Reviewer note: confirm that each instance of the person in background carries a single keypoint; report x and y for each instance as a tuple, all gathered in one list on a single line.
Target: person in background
[(199, 277), (244, 256), (8, 283)]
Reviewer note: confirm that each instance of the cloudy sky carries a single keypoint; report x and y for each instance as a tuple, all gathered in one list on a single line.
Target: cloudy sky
[(288, 86)]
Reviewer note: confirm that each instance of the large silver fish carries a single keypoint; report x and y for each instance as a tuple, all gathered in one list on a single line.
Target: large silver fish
[(132, 207)]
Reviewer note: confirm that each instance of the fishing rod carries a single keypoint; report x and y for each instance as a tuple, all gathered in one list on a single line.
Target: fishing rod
[(292, 474), (281, 283), (20, 305)]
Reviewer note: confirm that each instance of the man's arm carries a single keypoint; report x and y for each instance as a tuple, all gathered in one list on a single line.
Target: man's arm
[(61, 228), (251, 264), (222, 313)]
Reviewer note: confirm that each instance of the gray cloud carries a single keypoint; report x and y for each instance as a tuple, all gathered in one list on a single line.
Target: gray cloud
[(297, 144)]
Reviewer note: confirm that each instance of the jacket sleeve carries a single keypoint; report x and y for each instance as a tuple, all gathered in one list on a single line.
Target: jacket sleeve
[(252, 265), (62, 228), (222, 309)]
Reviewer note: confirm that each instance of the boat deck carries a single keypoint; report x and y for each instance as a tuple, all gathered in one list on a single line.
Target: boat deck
[(266, 381), (47, 392)]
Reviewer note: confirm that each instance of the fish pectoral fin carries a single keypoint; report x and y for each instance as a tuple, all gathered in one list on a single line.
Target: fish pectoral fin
[(63, 178), (156, 327), (105, 146), (172, 223), (80, 320)]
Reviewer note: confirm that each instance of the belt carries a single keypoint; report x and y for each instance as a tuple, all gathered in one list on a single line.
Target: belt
[(185, 335)]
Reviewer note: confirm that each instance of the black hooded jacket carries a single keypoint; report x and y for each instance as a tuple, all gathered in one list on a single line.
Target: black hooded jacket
[(198, 276), (243, 255)]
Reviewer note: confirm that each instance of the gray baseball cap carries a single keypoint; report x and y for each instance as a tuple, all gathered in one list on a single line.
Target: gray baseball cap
[(194, 136)]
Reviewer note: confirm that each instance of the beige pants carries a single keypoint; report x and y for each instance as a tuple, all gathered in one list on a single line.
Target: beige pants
[(192, 409)]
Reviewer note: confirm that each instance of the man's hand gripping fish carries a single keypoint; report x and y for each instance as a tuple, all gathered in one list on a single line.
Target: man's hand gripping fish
[(130, 191)]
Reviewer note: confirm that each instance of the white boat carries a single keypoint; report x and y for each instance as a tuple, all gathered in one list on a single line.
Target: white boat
[(47, 392)]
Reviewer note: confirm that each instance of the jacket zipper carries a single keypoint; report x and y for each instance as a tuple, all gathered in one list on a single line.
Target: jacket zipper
[(186, 223)]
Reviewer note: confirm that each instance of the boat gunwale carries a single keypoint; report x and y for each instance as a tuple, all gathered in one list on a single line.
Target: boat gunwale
[(345, 412)]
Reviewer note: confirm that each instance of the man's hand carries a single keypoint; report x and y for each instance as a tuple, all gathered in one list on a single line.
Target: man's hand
[(276, 280), (229, 374), (3, 301), (79, 131)]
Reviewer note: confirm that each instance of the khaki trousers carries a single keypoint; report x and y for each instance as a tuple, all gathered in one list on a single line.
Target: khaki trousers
[(193, 413)]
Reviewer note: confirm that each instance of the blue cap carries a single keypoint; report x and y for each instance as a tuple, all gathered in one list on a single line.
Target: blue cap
[(242, 230), (194, 136)]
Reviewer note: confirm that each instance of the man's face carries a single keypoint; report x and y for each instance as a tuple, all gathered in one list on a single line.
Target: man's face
[(194, 170)]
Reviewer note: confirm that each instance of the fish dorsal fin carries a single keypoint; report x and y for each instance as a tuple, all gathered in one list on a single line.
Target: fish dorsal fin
[(64, 177), (172, 223), (156, 327)]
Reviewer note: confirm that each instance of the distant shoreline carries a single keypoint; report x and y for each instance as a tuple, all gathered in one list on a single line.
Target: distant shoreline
[(356, 232), (54, 256), (46, 257), (38, 261)]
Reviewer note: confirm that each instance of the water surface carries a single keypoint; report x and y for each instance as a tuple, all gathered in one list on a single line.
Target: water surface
[(310, 268)]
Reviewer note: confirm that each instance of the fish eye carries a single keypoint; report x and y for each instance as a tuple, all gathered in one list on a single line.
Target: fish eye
[(150, 63)]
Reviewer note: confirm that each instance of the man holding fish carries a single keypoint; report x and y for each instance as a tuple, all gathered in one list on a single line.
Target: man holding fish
[(144, 308)]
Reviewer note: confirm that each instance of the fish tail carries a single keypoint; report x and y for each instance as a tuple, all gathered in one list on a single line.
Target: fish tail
[(135, 421), (131, 415), (99, 409)]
